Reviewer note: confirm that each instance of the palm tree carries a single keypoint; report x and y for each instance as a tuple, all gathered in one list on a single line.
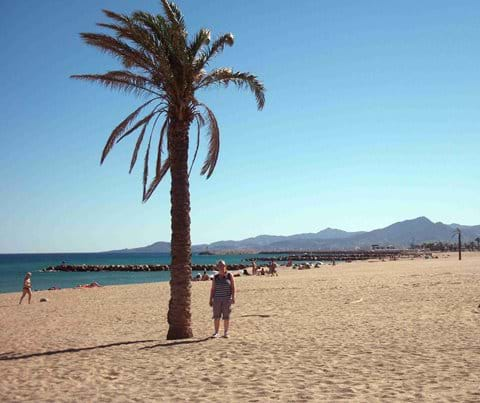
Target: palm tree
[(162, 63)]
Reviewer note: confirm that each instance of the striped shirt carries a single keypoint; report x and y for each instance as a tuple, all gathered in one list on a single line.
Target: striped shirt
[(223, 287)]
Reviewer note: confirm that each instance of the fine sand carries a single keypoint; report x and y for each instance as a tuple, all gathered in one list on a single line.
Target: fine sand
[(404, 330)]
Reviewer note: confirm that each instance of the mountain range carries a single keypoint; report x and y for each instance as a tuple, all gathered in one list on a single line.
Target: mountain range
[(401, 235)]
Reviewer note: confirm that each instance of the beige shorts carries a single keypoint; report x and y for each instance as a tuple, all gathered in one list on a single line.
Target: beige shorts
[(222, 308)]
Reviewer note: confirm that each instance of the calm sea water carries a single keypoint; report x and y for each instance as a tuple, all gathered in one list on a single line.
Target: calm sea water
[(14, 266)]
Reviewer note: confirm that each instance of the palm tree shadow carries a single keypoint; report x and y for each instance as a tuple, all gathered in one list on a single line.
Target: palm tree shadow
[(9, 356), (175, 343)]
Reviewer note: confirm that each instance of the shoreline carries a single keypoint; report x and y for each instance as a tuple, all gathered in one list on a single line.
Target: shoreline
[(138, 268)]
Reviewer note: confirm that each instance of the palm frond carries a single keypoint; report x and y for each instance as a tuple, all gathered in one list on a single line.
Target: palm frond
[(146, 120), (156, 32), (177, 40), (140, 139), (199, 119), (174, 14), (163, 131), (135, 79), (217, 47), (201, 38), (145, 166), (147, 46), (156, 25), (160, 170), (224, 76), (158, 178), (178, 15), (137, 147), (168, 47), (214, 143), (141, 39), (128, 55), (131, 30), (129, 85), (115, 16), (121, 128)]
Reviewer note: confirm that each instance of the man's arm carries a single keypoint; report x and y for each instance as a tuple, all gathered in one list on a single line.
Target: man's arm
[(233, 288), (212, 291)]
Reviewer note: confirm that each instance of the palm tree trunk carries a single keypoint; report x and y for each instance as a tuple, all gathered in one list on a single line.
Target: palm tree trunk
[(179, 316)]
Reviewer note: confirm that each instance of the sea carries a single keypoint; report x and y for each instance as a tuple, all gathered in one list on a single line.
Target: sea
[(14, 266)]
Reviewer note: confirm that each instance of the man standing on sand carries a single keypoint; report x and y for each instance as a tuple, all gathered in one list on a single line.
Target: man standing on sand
[(222, 296)]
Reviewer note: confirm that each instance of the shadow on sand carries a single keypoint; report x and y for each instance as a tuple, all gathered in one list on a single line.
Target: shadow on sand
[(13, 356), (175, 343)]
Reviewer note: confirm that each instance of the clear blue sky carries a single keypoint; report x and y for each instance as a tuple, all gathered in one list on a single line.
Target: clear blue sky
[(372, 116)]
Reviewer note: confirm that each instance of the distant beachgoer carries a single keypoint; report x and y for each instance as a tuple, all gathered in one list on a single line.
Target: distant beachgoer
[(273, 269), (222, 296), (93, 284), (205, 275), (254, 268), (245, 272), (27, 288), (262, 271)]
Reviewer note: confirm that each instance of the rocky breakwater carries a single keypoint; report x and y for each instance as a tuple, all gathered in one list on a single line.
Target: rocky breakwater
[(341, 255), (132, 267)]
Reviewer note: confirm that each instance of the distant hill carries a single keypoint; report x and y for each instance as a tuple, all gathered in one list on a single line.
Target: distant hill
[(157, 247), (401, 234), (470, 232), (404, 233)]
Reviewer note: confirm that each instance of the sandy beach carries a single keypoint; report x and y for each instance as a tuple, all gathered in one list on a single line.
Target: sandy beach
[(362, 331)]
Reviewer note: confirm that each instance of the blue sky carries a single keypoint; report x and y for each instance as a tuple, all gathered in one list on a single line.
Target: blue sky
[(371, 117)]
